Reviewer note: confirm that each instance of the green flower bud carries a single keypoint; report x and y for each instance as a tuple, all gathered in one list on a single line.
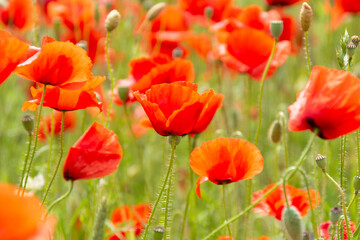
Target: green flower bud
[(209, 12), (292, 223), (275, 131), (351, 49), (159, 233), (321, 162), (177, 52), (112, 20), (276, 28), (335, 214), (123, 93), (356, 183), (28, 123)]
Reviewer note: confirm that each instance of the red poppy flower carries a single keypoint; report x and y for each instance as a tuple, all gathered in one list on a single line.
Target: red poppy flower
[(60, 64), (64, 99), (12, 53), (247, 51), (324, 229), (177, 108), (131, 218), (330, 102), (341, 9), (20, 217), (198, 7), (45, 124), (18, 13), (96, 154), (225, 160), (282, 2), (274, 203)]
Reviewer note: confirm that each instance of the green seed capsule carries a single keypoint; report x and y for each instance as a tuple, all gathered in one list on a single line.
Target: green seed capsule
[(292, 223)]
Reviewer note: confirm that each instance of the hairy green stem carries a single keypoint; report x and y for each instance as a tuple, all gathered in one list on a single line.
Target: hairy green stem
[(307, 51), (262, 90), (171, 163), (111, 74), (25, 163), (61, 198), (225, 212), (36, 138), (284, 138), (60, 157), (352, 201), (342, 159)]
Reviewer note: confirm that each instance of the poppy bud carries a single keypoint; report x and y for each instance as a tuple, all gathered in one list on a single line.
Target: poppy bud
[(292, 223), (275, 131), (355, 39), (123, 93), (276, 28), (174, 139), (112, 20), (306, 15), (356, 183), (208, 12), (350, 49), (335, 214), (28, 123), (98, 233), (83, 44), (154, 11), (159, 233), (177, 52), (321, 162)]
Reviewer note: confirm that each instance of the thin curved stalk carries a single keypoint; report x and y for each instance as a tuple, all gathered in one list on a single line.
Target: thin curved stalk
[(111, 74), (62, 197), (25, 163)]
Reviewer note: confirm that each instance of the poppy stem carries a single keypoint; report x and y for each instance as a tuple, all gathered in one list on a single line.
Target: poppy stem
[(111, 74), (173, 141), (236, 217), (307, 51), (167, 200), (342, 159), (36, 139), (342, 201), (36, 35), (52, 131), (26, 161), (223, 109), (262, 90), (226, 215), (284, 139), (60, 157), (352, 201), (62, 197)]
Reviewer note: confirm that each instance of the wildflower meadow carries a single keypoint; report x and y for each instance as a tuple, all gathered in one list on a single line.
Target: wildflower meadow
[(179, 120)]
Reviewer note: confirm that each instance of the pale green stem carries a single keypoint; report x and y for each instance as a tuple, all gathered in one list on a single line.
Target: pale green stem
[(262, 90), (36, 139), (284, 139), (307, 51), (36, 35), (61, 198), (225, 212), (342, 201), (236, 217), (111, 74), (52, 132), (352, 201), (171, 163), (25, 162), (167, 201), (60, 157), (342, 159)]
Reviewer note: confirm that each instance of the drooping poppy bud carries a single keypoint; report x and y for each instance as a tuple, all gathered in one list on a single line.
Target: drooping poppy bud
[(112, 20), (275, 131), (292, 223), (154, 11), (28, 123)]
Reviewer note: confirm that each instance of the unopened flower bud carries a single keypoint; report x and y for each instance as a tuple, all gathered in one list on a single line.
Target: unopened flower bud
[(306, 15), (350, 49), (276, 28), (174, 139), (159, 233), (123, 93), (28, 123), (112, 20), (356, 183), (209, 12), (335, 214), (177, 52), (321, 161), (275, 131), (83, 44), (292, 222), (154, 11), (355, 39)]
